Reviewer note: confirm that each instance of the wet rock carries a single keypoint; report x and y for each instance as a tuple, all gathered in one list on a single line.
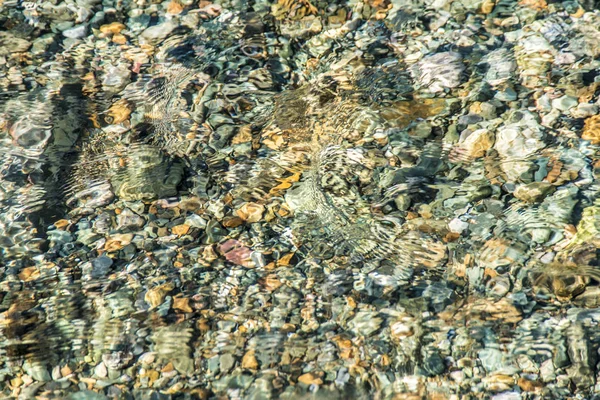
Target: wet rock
[(77, 32), (127, 220), (440, 71), (237, 253), (310, 379), (515, 141), (500, 66), (591, 130), (507, 94), (116, 77), (41, 44), (9, 43), (101, 266), (301, 28), (476, 143), (365, 323), (195, 221), (100, 370), (534, 192), (439, 295), (249, 360), (37, 371), (156, 33), (59, 237), (112, 28), (86, 395), (584, 110), (117, 360), (226, 362), (251, 212), (565, 103)]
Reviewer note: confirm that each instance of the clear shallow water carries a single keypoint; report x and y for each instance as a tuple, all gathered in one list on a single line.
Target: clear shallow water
[(298, 200)]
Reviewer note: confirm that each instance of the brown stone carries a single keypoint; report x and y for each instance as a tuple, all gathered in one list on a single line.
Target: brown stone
[(112, 28), (477, 143), (29, 274), (537, 5), (251, 212), (119, 39), (182, 304), (119, 112), (175, 388), (16, 382), (578, 14), (451, 237), (487, 6), (529, 386), (591, 129), (283, 210), (152, 375), (271, 282), (156, 295), (244, 135), (167, 368), (118, 241), (174, 7), (285, 184), (61, 224), (66, 370), (190, 204), (249, 360), (501, 310), (180, 230), (534, 192), (284, 261), (232, 222), (310, 379)]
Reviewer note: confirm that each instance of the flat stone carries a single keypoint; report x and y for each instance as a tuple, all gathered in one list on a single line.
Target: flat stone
[(76, 32), (101, 371), (10, 43), (534, 191), (564, 103), (226, 362), (156, 33), (101, 266), (130, 221)]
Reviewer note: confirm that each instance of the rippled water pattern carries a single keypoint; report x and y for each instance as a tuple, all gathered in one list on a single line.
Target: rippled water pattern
[(300, 199)]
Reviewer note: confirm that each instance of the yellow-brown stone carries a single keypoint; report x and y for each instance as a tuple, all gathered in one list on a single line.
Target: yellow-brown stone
[(251, 212), (244, 135), (174, 7), (180, 230), (29, 274), (61, 224), (119, 112), (156, 295), (119, 39), (182, 304), (591, 129), (310, 379), (487, 6), (112, 28), (118, 241), (249, 360)]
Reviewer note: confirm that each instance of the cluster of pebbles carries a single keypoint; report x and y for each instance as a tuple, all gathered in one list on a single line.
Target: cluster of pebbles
[(300, 199)]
